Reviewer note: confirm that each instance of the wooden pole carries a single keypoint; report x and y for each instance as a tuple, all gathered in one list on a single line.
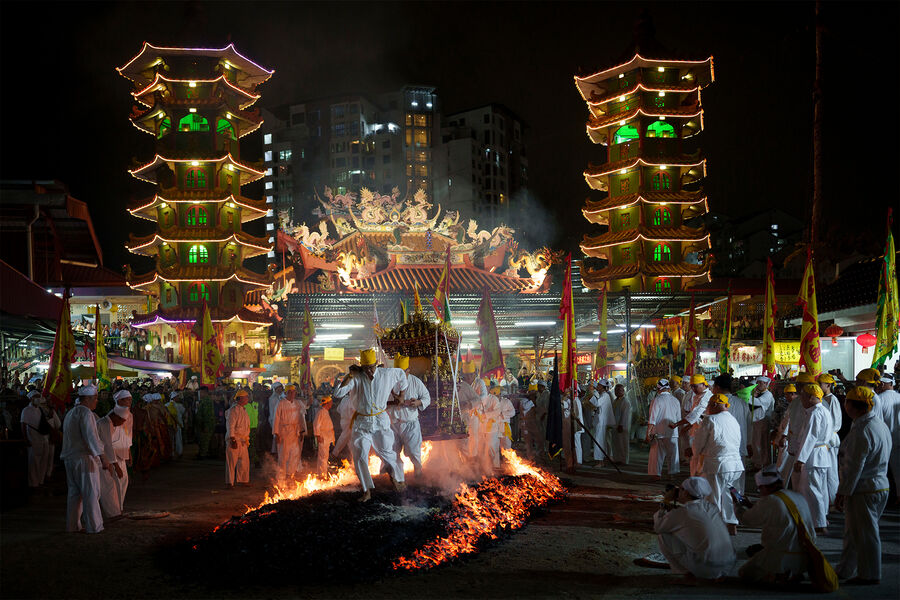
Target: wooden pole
[(817, 134)]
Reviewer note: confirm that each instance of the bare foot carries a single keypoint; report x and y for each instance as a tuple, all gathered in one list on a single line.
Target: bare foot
[(732, 528), (367, 495)]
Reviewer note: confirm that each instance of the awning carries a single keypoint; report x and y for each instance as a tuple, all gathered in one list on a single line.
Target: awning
[(88, 372), (25, 298), (146, 365)]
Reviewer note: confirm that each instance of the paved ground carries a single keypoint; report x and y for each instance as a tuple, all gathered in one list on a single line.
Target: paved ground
[(583, 548)]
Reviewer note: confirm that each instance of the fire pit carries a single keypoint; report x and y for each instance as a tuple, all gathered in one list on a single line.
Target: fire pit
[(329, 536)]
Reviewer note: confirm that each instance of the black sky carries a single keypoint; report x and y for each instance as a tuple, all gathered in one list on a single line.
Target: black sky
[(64, 111)]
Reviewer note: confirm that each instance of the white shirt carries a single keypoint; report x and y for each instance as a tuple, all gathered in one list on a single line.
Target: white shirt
[(603, 416), (779, 534), (698, 406), (116, 440), (323, 427), (274, 399), (816, 437), (415, 391), (741, 413), (699, 526), (31, 417), (864, 456), (792, 424), (890, 413), (718, 443), (833, 405), (567, 412), (663, 412), (762, 405), (237, 424), (80, 436), (371, 397), (622, 412), (289, 419)]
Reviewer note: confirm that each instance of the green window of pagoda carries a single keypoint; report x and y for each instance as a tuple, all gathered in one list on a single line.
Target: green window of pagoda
[(662, 216), (198, 292), (625, 185), (663, 285), (198, 254), (626, 254), (225, 129), (195, 178), (660, 182), (193, 122), (660, 129), (196, 216), (164, 127), (625, 133), (662, 253)]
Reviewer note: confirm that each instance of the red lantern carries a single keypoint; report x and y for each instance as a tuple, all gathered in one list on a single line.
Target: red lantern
[(866, 340), (834, 332)]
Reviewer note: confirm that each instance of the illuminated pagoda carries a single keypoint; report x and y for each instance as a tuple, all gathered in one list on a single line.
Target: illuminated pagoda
[(196, 104), (645, 109)]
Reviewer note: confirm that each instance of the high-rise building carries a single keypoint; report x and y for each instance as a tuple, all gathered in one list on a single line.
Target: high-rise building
[(196, 104), (645, 109), (482, 165), (347, 143)]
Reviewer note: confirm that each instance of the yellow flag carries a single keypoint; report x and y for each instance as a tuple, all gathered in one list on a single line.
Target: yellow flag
[(769, 331), (58, 383), (725, 345), (810, 352), (101, 362), (417, 307), (211, 358), (886, 320)]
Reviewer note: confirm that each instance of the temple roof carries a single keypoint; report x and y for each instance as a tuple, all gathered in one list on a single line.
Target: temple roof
[(190, 314), (590, 244), (594, 278), (593, 209), (204, 273), (596, 101), (148, 171), (145, 208), (249, 74), (466, 278), (146, 245), (146, 95), (145, 119), (595, 175)]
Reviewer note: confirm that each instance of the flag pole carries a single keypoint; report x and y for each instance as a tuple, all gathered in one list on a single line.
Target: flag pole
[(437, 380)]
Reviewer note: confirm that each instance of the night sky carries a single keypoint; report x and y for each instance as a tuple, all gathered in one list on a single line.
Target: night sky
[(65, 109)]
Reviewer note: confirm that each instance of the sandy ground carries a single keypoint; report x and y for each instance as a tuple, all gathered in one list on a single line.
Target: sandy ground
[(582, 548)]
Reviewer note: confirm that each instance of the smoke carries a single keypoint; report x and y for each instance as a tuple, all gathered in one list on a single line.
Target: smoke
[(536, 226)]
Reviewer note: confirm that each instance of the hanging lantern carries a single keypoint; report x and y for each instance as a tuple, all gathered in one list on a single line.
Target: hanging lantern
[(866, 340), (834, 331)]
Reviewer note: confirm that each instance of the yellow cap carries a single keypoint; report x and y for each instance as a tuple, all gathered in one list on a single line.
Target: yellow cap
[(813, 390), (495, 390), (676, 380), (289, 387), (325, 399), (805, 377), (790, 388), (401, 362), (868, 376), (720, 399), (532, 387), (826, 378), (698, 378), (862, 394), (241, 394), (468, 368), (367, 357)]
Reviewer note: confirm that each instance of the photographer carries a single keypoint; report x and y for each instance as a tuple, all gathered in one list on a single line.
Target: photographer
[(693, 536)]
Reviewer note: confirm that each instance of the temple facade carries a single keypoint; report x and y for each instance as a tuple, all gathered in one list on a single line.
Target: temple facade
[(646, 112), (196, 103)]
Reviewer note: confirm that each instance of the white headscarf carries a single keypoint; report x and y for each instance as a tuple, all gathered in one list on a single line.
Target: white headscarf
[(697, 487), (87, 390)]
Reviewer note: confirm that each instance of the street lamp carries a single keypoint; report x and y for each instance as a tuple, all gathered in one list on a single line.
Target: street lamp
[(232, 350), (147, 350), (170, 353), (258, 347)]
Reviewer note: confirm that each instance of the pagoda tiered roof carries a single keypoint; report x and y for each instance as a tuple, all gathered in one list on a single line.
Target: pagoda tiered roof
[(147, 245), (244, 98), (594, 209), (148, 171), (248, 73), (146, 119), (190, 314), (595, 175), (587, 84), (218, 273), (593, 278), (145, 208), (598, 128), (592, 245), (596, 102)]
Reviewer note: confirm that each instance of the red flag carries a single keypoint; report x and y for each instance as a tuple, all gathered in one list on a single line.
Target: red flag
[(491, 354), (567, 367)]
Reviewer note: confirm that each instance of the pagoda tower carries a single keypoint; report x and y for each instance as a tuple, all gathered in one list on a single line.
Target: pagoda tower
[(645, 109), (195, 102)]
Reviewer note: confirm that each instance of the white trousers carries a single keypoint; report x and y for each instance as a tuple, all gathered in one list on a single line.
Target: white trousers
[(177, 441), (620, 447), (833, 480), (759, 441), (382, 442), (112, 491), (578, 447), (661, 450), (473, 443), (682, 560), (861, 555), (490, 446), (322, 458), (83, 499), (288, 457), (720, 496), (813, 484), (237, 462), (38, 457), (599, 432), (408, 438)]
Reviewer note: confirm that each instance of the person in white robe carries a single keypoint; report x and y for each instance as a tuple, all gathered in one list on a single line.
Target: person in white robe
[(507, 412), (372, 387), (346, 410), (51, 413), (738, 409), (323, 429), (782, 557), (568, 406), (83, 455), (785, 462), (111, 502), (404, 415), (33, 422), (175, 408), (288, 428), (237, 441), (602, 417), (491, 426), (661, 432), (833, 405), (890, 414), (814, 457), (622, 432), (275, 397), (762, 403), (693, 536), (717, 443), (863, 490), (471, 392), (682, 392), (691, 420)]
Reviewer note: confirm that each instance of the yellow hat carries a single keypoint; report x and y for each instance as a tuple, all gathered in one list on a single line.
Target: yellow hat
[(870, 376), (862, 394), (720, 399), (825, 378), (289, 387), (676, 379), (805, 377), (325, 399), (401, 362), (367, 357), (241, 394), (813, 390), (698, 378), (495, 390), (532, 387), (468, 368), (790, 388)]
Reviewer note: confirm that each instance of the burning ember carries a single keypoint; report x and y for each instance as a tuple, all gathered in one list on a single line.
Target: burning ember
[(312, 530)]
